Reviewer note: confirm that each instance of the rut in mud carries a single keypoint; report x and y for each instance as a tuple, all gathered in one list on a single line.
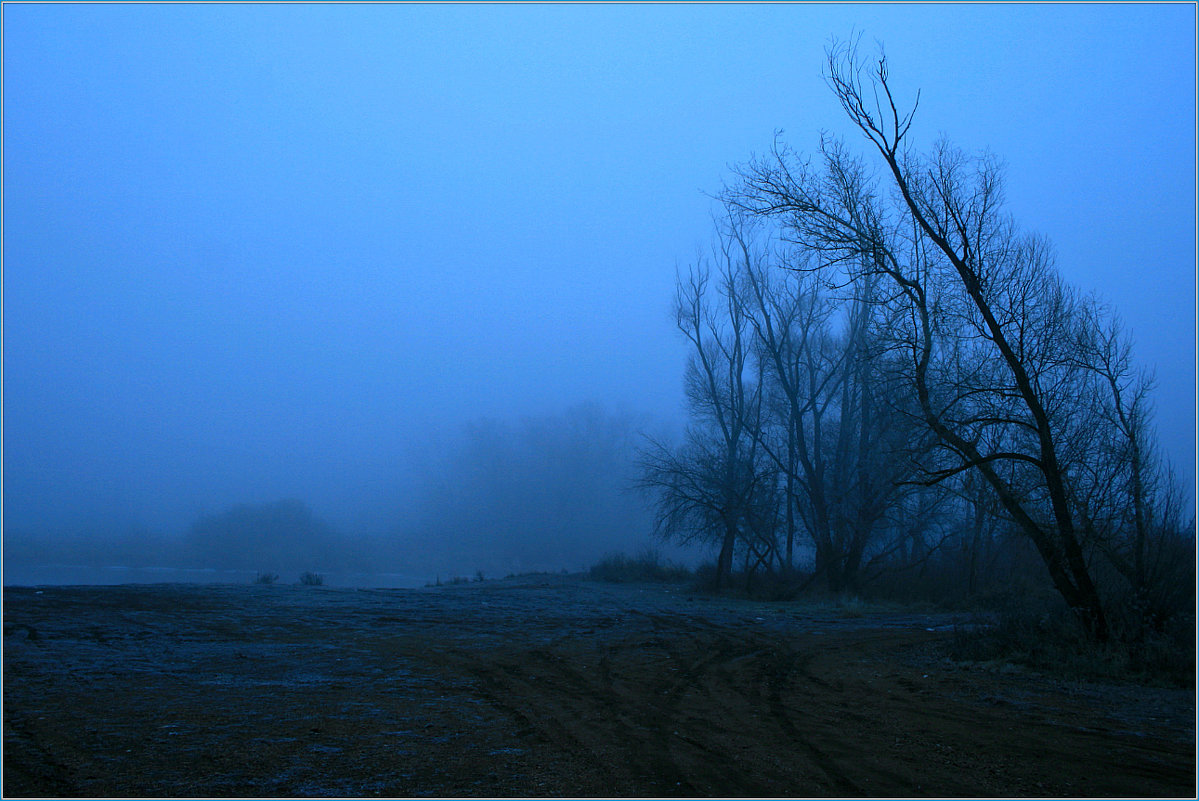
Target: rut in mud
[(543, 686)]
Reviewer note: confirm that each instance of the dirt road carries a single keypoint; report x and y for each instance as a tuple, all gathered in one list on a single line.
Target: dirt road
[(543, 686)]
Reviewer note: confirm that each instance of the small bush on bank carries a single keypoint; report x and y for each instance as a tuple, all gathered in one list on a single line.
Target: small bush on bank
[(452, 580), (310, 579), (647, 566), (266, 578)]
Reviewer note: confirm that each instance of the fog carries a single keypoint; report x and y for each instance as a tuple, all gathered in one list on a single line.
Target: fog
[(401, 276)]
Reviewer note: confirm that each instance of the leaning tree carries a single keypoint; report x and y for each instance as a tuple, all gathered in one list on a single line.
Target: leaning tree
[(989, 334)]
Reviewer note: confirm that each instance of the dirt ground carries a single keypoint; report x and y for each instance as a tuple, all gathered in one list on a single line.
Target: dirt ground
[(544, 686)]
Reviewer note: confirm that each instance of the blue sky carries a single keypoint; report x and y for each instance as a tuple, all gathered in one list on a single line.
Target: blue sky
[(262, 251)]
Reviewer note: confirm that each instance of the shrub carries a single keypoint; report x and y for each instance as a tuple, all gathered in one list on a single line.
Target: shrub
[(1052, 641), (310, 579), (705, 578), (266, 578), (646, 566)]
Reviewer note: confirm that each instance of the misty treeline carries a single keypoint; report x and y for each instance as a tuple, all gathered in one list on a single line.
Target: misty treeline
[(538, 494), (890, 382), (543, 493), (284, 535)]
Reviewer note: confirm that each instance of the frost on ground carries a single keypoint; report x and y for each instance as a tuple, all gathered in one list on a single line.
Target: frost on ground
[(543, 686)]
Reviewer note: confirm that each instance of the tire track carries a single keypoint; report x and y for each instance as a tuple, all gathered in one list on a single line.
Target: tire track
[(639, 716), (776, 676)]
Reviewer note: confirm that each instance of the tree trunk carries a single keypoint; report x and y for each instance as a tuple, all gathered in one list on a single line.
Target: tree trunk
[(724, 562)]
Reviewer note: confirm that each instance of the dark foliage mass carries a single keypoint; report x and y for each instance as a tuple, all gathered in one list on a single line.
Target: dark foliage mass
[(892, 390), (285, 536)]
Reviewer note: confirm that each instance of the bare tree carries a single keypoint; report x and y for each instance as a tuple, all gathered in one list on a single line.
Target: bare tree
[(840, 446), (711, 487), (986, 326), (827, 426), (1128, 501)]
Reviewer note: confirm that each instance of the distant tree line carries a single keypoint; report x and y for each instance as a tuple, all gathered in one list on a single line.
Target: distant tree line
[(540, 493), (886, 375), (280, 535)]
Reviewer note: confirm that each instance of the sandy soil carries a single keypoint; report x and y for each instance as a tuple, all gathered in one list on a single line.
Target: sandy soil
[(543, 686)]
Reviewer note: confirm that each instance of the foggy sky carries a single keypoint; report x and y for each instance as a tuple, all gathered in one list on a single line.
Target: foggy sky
[(259, 252)]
